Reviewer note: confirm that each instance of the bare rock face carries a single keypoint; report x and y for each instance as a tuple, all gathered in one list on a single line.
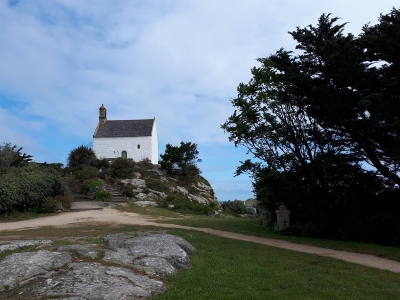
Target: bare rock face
[(19, 268), (82, 250), (155, 254), (52, 274), (20, 244), (136, 182), (96, 281)]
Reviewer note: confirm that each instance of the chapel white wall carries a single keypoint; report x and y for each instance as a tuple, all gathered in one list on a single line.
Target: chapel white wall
[(113, 147), (154, 143)]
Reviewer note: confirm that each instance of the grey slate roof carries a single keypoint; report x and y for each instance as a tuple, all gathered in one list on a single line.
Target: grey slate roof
[(125, 128)]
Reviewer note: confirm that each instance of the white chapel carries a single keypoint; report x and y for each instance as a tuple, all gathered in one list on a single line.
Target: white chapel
[(135, 139)]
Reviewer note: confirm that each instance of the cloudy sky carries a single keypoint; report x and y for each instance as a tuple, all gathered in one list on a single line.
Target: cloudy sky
[(177, 60)]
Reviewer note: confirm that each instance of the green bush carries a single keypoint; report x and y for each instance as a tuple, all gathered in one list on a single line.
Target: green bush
[(100, 163), (101, 196), (143, 165), (91, 185), (82, 155), (127, 191), (236, 207), (122, 167), (157, 185), (49, 205), (85, 172), (66, 200), (122, 173), (28, 187), (123, 163)]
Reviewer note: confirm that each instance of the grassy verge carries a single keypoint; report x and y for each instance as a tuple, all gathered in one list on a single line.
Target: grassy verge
[(230, 269), (151, 211), (253, 226)]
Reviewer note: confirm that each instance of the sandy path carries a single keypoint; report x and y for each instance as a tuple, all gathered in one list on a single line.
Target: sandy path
[(108, 215)]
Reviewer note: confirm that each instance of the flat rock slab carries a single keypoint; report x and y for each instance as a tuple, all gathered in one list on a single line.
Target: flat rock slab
[(96, 281), (146, 203), (172, 248), (20, 244), (57, 274), (88, 251), (18, 268)]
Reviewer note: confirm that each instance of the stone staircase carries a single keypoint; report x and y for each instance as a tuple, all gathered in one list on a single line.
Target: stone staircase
[(115, 192)]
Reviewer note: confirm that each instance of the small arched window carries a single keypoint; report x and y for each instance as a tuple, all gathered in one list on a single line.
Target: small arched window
[(124, 154), (138, 146)]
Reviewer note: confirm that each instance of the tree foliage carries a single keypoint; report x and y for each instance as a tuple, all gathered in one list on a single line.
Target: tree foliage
[(11, 156), (323, 126), (182, 158), (82, 155)]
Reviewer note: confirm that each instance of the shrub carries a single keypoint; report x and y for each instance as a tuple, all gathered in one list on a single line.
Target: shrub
[(66, 200), (82, 155), (100, 163), (49, 205), (85, 172), (143, 165), (237, 207), (127, 191), (91, 185), (101, 196), (157, 185), (28, 187), (123, 163)]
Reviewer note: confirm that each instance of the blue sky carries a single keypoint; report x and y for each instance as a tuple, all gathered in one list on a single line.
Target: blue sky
[(179, 61)]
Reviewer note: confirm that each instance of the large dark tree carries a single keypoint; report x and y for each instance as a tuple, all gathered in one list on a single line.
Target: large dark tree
[(323, 124), (350, 85)]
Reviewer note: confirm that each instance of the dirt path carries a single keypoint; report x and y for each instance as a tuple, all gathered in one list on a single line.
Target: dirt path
[(113, 216)]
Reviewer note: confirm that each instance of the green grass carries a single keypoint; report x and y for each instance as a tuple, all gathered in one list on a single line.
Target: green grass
[(253, 226), (230, 269), (150, 211)]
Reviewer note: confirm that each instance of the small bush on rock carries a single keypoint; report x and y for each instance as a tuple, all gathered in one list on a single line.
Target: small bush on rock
[(101, 196), (91, 185)]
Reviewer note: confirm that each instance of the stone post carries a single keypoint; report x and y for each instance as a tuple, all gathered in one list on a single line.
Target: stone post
[(283, 219)]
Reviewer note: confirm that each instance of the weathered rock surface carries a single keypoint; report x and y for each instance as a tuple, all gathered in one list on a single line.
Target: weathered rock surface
[(96, 281), (146, 203), (136, 182), (18, 268), (173, 249), (82, 250), (182, 190), (21, 244), (53, 274)]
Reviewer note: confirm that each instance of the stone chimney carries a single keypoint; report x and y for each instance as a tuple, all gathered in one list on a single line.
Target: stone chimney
[(102, 114)]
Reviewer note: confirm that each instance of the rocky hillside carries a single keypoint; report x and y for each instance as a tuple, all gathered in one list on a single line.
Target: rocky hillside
[(153, 187)]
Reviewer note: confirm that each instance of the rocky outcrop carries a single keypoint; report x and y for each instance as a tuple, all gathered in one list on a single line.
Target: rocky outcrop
[(106, 272), (146, 196)]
